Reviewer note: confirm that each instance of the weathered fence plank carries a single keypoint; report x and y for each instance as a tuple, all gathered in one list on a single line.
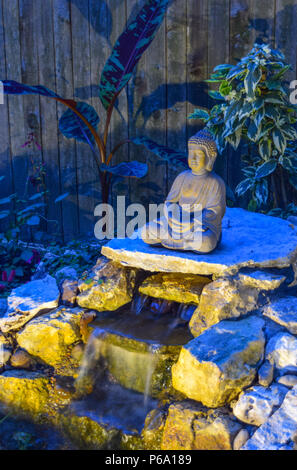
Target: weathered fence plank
[(6, 184), (64, 87), (119, 130), (86, 166), (16, 112), (176, 81), (48, 115), (218, 53), (286, 29)]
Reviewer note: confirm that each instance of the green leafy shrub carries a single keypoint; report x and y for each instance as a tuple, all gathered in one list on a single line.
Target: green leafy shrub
[(254, 108)]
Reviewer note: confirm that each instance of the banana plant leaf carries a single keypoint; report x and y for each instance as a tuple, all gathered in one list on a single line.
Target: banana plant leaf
[(15, 88), (73, 127), (131, 169), (128, 50), (70, 125), (174, 157)]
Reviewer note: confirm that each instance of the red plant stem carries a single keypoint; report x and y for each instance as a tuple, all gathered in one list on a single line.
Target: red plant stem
[(108, 118), (126, 141), (86, 122)]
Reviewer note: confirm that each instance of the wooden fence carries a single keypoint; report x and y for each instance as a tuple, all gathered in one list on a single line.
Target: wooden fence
[(63, 44)]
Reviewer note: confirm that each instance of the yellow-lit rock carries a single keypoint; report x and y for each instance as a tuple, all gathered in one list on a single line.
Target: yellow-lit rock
[(190, 427), (108, 286), (49, 338), (182, 288), (222, 299), (217, 365), (24, 392), (4, 341), (153, 429)]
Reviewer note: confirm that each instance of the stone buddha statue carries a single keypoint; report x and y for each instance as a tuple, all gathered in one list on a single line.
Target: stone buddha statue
[(195, 205)]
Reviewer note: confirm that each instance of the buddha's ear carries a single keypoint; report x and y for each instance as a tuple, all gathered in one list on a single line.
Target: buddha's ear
[(211, 161)]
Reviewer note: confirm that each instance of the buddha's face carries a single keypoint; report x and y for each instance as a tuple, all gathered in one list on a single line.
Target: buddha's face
[(196, 159)]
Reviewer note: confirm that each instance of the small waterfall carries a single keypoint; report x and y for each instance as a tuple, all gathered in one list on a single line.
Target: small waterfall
[(1, 355), (185, 311), (138, 303), (85, 380), (161, 306), (153, 349)]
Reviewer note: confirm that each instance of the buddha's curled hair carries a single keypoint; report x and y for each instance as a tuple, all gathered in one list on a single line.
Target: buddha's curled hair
[(205, 141)]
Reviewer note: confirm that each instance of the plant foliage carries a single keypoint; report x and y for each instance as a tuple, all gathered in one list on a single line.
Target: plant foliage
[(253, 107), (80, 120)]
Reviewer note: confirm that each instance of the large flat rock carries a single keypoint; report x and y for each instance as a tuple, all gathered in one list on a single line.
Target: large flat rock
[(249, 239)]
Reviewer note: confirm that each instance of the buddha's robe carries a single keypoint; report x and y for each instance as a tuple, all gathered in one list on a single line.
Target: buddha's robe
[(189, 190)]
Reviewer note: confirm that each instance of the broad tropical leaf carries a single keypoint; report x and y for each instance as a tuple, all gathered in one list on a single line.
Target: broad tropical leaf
[(266, 169), (15, 88), (70, 125), (73, 127), (132, 169), (129, 48), (173, 156)]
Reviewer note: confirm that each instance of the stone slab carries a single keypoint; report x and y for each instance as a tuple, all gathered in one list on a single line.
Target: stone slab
[(278, 431), (249, 239), (284, 312)]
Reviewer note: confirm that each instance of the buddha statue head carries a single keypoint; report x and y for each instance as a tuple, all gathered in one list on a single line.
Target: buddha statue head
[(202, 152)]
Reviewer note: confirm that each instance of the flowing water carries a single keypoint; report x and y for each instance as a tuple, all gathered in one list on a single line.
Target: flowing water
[(128, 359), (153, 350), (1, 355)]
